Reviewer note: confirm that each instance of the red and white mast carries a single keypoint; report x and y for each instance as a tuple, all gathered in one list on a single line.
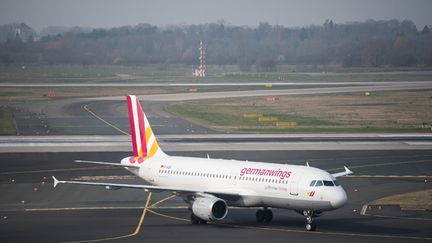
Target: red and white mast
[(200, 71)]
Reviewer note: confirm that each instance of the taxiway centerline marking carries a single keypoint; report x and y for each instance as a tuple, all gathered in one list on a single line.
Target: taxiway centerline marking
[(167, 216), (161, 201), (137, 229), (102, 120), (304, 232)]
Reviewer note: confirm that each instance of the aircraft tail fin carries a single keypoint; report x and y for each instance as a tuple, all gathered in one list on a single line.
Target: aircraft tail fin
[(144, 143)]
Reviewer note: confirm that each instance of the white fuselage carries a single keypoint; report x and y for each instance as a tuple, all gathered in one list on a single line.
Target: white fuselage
[(258, 184)]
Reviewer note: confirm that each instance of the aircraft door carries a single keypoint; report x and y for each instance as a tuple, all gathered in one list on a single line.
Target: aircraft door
[(294, 184)]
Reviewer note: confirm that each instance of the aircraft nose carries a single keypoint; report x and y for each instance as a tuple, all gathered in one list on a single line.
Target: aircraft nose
[(340, 199)]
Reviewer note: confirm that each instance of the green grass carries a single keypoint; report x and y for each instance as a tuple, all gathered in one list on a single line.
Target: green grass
[(178, 73), (44, 72), (7, 126), (384, 112), (421, 200), (329, 77), (216, 118), (332, 130)]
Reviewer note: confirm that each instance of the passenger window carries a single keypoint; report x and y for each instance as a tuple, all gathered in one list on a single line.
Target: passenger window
[(319, 183), (328, 183), (312, 183)]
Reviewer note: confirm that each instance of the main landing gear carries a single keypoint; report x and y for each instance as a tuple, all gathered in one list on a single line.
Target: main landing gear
[(264, 215), (195, 220), (310, 225)]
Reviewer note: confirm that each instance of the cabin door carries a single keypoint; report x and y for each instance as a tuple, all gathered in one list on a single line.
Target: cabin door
[(294, 184)]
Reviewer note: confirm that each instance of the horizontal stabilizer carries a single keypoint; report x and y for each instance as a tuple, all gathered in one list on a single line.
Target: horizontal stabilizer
[(107, 163)]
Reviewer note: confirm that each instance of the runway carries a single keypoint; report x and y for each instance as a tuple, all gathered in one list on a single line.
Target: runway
[(304, 91), (220, 142), (82, 213)]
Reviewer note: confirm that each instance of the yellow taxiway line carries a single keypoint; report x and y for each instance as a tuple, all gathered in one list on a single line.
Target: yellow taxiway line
[(102, 120), (302, 231), (137, 229)]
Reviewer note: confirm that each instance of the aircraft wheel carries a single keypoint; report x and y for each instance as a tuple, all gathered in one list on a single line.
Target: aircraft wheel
[(194, 219), (268, 215), (201, 221), (310, 227), (260, 215)]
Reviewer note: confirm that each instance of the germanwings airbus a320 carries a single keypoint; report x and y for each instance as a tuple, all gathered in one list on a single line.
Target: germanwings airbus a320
[(210, 186)]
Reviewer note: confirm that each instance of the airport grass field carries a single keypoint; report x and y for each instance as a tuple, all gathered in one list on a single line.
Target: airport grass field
[(7, 126), (421, 200), (180, 73), (401, 111)]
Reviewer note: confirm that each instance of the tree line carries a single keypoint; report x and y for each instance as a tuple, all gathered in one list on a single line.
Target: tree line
[(366, 44)]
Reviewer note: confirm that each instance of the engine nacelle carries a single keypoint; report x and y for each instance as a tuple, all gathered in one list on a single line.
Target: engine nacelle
[(210, 208)]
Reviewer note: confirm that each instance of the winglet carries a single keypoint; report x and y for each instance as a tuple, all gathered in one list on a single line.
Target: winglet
[(347, 170), (344, 173), (307, 164), (55, 181)]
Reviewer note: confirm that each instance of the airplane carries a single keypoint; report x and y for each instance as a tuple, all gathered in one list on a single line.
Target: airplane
[(210, 186)]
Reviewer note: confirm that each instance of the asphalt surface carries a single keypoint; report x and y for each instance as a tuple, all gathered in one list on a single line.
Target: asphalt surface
[(218, 142), (33, 211), (83, 117), (305, 91)]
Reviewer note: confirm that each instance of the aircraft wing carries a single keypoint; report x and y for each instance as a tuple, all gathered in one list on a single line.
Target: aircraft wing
[(339, 174), (145, 187)]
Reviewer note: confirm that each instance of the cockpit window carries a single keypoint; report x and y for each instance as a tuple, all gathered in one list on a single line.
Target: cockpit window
[(312, 183), (336, 183), (319, 183), (328, 183)]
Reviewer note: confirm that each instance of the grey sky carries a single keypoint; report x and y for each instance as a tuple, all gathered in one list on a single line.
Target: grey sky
[(112, 13)]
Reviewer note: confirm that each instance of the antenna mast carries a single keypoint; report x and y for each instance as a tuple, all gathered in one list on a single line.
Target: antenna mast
[(200, 71)]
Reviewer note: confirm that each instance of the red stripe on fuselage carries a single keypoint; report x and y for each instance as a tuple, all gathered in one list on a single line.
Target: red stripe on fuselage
[(132, 126)]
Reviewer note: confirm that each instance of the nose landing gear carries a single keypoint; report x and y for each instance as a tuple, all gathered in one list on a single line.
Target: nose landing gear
[(310, 225)]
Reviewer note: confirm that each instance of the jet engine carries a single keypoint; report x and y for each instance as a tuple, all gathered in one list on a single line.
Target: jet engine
[(210, 208)]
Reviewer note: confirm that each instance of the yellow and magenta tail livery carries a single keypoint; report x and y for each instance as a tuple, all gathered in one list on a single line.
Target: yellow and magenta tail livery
[(144, 143)]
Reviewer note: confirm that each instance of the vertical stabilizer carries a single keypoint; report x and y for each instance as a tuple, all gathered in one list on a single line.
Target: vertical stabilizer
[(144, 143)]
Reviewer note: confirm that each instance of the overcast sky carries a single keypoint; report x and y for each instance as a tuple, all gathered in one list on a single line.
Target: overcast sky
[(291, 13)]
